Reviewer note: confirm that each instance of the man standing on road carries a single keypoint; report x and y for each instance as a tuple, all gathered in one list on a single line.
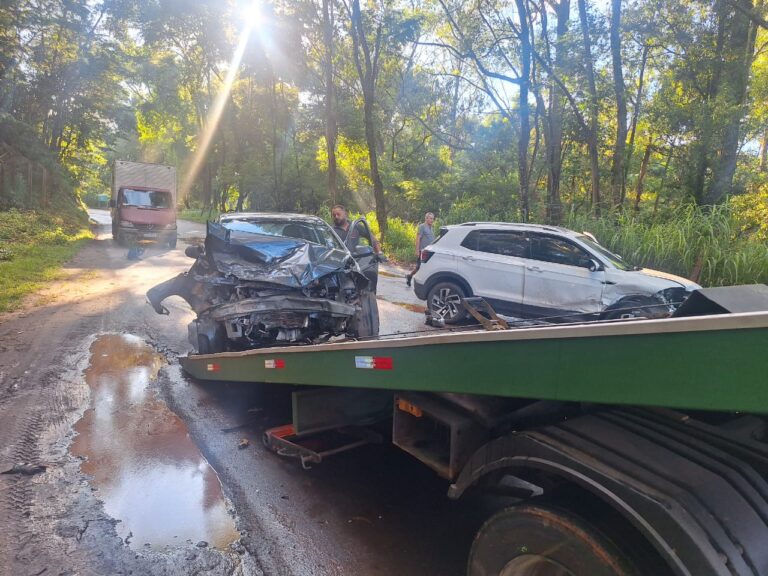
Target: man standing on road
[(424, 237), (341, 226)]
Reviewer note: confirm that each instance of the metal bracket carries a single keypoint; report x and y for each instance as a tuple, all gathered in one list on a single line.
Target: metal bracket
[(313, 448), (475, 305)]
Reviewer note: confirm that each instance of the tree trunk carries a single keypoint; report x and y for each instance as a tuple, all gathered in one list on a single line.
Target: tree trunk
[(701, 149), (617, 168), (524, 110), (663, 180), (367, 70), (641, 176), (635, 117), (554, 134), (331, 129), (593, 108), (764, 151), (741, 50)]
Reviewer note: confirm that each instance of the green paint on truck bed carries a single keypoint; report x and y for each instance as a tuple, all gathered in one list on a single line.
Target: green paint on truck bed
[(709, 363)]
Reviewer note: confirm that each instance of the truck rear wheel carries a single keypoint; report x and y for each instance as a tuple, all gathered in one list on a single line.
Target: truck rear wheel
[(172, 242), (538, 540)]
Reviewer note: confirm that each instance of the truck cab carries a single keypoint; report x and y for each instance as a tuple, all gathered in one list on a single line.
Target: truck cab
[(143, 204)]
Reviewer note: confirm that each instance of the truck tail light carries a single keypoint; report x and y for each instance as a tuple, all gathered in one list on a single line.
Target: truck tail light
[(426, 255)]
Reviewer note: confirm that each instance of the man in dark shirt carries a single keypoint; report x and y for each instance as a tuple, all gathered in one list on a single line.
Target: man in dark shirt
[(341, 225)]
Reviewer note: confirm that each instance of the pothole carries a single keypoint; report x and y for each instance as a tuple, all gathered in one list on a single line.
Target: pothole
[(148, 472)]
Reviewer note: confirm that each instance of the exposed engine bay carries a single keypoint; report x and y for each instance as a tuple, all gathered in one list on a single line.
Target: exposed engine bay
[(251, 286)]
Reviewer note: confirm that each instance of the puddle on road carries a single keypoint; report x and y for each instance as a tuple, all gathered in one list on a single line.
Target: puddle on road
[(147, 470)]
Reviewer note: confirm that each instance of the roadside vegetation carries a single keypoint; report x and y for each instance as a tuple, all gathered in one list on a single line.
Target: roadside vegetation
[(718, 246), (644, 123), (33, 246)]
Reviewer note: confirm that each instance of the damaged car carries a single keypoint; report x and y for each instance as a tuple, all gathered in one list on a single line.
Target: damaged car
[(264, 279), (540, 272)]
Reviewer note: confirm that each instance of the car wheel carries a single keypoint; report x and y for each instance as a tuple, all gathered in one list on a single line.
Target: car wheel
[(172, 242), (444, 301), (207, 346), (366, 322), (636, 308), (538, 540)]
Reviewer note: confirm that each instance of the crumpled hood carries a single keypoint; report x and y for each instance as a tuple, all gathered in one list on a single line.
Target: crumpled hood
[(684, 282), (262, 258)]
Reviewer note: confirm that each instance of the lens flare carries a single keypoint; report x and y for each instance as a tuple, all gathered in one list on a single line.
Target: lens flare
[(253, 21)]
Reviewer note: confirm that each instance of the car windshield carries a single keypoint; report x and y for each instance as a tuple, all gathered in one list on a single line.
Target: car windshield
[(146, 198), (614, 259), (315, 233)]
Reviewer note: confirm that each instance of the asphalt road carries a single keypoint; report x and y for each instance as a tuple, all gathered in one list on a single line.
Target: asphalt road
[(94, 410)]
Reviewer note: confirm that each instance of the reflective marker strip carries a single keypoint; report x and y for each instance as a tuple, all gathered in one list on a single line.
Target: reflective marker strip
[(276, 363), (213, 367), (373, 362)]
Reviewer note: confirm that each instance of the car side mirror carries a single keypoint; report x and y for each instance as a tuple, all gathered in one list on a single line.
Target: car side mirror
[(193, 251), (594, 266), (363, 250), (111, 203)]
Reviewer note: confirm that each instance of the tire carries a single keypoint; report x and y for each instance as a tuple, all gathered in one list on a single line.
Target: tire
[(172, 242), (204, 345), (538, 540), (120, 239), (635, 308), (366, 323), (207, 346), (444, 301)]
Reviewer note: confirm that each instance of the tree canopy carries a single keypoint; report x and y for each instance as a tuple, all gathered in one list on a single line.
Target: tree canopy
[(512, 109)]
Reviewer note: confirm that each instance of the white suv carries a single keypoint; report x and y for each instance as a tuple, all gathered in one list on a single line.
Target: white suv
[(527, 270)]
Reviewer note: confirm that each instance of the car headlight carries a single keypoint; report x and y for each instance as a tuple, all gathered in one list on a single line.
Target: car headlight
[(673, 296)]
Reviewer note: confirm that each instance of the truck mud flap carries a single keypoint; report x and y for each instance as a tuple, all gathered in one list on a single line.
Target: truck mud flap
[(696, 495)]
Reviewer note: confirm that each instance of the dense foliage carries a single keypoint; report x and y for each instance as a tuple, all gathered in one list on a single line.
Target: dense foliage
[(635, 111)]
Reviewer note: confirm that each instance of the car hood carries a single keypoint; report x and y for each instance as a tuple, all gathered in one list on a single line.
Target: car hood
[(684, 282), (262, 258)]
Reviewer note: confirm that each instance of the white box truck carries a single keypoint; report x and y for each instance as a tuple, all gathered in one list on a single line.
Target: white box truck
[(143, 203)]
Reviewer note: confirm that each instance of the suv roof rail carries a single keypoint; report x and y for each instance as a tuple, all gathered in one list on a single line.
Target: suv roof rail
[(521, 224)]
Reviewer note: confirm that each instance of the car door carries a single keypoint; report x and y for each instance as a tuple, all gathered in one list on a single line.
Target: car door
[(493, 262), (360, 243), (558, 279)]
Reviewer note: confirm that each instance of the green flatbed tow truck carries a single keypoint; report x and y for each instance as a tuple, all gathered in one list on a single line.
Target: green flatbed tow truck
[(635, 447)]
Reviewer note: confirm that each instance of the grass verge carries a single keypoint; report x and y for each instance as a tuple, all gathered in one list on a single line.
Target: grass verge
[(33, 246)]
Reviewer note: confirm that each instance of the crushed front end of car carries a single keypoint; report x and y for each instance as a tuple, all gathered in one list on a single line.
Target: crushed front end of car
[(256, 290)]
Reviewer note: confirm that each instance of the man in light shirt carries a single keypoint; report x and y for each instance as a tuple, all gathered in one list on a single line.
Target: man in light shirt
[(424, 237)]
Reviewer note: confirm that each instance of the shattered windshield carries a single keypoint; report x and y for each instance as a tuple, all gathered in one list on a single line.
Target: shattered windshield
[(309, 231), (614, 259)]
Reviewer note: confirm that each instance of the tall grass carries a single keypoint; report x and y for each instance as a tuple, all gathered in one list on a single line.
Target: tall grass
[(32, 248), (703, 245)]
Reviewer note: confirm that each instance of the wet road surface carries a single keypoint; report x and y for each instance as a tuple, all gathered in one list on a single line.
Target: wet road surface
[(373, 511), (147, 471)]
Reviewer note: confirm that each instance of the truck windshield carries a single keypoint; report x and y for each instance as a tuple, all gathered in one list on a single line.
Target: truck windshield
[(146, 198)]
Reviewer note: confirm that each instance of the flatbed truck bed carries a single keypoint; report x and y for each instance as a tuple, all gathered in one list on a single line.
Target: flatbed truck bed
[(703, 363), (635, 447)]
